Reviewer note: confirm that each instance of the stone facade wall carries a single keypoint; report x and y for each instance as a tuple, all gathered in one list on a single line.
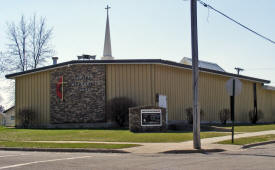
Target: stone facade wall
[(84, 94), (135, 120)]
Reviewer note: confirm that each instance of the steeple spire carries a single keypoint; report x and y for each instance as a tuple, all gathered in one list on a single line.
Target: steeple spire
[(107, 52)]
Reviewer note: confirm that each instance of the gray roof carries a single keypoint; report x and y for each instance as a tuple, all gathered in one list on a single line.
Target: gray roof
[(269, 87), (203, 64), (134, 61), (9, 109)]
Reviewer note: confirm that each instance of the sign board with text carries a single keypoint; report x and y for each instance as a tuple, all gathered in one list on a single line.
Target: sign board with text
[(151, 117)]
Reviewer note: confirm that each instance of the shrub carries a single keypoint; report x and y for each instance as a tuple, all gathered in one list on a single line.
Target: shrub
[(255, 117), (224, 115), (26, 116), (189, 114), (118, 108)]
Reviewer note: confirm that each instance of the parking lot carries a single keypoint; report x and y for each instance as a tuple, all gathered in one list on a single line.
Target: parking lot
[(260, 157)]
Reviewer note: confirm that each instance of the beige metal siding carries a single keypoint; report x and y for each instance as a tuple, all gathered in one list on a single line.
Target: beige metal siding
[(244, 102), (266, 103), (133, 81), (33, 92), (176, 83), (142, 82), (213, 96)]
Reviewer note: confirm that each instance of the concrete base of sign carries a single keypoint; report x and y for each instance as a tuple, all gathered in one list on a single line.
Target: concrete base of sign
[(136, 124)]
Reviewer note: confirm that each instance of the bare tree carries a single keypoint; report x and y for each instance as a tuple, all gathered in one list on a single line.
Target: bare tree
[(2, 65), (29, 44), (40, 37), (17, 49), (28, 48)]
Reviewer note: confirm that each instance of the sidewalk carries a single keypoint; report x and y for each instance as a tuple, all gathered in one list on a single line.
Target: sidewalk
[(207, 143), (151, 148)]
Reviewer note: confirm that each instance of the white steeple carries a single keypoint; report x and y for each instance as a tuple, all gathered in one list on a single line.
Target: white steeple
[(107, 52)]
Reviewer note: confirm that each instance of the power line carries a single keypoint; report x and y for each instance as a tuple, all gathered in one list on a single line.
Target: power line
[(210, 7)]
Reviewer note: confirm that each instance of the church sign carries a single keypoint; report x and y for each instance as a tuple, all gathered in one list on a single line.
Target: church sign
[(82, 82), (147, 119), (151, 117)]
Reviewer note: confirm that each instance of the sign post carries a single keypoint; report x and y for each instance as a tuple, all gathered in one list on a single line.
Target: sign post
[(233, 87), (233, 109), (162, 101)]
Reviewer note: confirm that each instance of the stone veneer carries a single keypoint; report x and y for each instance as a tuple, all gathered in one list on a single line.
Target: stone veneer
[(84, 95), (135, 120)]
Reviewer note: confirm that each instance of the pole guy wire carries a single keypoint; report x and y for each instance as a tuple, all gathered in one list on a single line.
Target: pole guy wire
[(249, 29)]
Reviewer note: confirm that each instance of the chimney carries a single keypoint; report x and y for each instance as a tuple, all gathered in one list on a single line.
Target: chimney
[(55, 60)]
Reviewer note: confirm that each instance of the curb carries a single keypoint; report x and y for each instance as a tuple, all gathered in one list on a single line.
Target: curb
[(63, 150), (257, 144), (204, 151)]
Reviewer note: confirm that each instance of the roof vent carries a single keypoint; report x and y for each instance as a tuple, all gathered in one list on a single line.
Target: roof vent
[(202, 64), (55, 60), (86, 57)]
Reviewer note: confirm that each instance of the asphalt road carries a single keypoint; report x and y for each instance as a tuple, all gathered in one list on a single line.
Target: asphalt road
[(261, 157)]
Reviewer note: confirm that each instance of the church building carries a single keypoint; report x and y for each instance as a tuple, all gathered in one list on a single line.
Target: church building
[(74, 94)]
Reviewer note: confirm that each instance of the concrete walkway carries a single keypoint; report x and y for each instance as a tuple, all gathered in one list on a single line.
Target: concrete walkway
[(151, 148), (207, 143)]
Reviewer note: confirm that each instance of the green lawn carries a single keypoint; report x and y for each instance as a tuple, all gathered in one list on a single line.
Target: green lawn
[(250, 140), (19, 135), (251, 128), (65, 145), (254, 128)]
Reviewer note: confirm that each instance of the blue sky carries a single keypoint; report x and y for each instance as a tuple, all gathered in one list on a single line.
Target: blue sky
[(156, 29)]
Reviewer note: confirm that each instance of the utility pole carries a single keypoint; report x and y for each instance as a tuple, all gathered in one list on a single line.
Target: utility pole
[(239, 70), (195, 61)]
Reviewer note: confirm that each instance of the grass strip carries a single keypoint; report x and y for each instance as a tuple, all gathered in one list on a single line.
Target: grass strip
[(250, 140), (254, 128), (20, 135), (65, 145), (251, 128)]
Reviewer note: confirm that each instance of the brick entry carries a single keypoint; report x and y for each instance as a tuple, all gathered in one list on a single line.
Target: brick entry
[(84, 94)]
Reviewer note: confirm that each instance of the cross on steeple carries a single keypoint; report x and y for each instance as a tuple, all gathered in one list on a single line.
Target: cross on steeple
[(107, 51), (107, 8)]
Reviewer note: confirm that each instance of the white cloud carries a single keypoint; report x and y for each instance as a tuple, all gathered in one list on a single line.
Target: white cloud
[(1, 99), (5, 92)]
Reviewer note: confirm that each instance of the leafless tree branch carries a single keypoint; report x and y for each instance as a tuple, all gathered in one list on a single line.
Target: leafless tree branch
[(29, 47), (29, 44)]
